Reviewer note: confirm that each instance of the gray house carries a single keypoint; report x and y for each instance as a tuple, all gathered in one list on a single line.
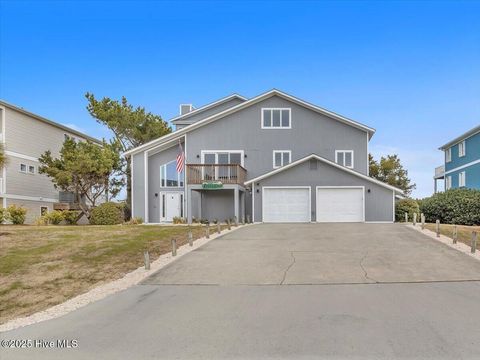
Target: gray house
[(271, 158), (25, 136)]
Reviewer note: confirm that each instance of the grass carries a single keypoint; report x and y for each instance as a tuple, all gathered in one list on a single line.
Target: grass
[(464, 232), (41, 266)]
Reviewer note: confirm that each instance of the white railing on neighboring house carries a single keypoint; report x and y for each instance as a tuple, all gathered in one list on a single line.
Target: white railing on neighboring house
[(440, 171)]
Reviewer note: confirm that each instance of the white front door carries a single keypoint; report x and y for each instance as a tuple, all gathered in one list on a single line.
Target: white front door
[(286, 204), (171, 205), (340, 204)]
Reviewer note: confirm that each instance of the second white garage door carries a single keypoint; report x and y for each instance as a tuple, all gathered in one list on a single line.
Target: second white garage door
[(286, 204), (340, 204)]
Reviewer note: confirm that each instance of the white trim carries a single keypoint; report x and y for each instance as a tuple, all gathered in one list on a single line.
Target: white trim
[(314, 156), (21, 156), (281, 127), (288, 187), (203, 152), (145, 164), (253, 203), (29, 198), (179, 133), (282, 152), (339, 187), (185, 188), (368, 159), (463, 166), (344, 152), (208, 106), (393, 207), (131, 187)]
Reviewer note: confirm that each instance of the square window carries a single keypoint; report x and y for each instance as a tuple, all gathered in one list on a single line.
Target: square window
[(344, 158), (281, 158), (23, 168), (31, 169)]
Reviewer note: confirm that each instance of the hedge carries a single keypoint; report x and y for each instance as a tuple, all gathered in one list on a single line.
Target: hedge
[(108, 213), (403, 206), (455, 206)]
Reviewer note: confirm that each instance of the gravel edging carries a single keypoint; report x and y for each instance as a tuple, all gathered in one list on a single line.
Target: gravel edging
[(459, 246), (100, 292)]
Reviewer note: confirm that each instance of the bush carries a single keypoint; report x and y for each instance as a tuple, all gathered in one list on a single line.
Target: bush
[(71, 217), (179, 220), (108, 213), (16, 214), (40, 221), (455, 206), (3, 215), (403, 206), (54, 217)]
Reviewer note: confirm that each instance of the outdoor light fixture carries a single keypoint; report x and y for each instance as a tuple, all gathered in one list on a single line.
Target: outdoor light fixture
[(368, 191), (198, 156), (245, 155)]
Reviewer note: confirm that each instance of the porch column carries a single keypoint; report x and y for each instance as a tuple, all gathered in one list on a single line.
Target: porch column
[(236, 203), (189, 205), (244, 205)]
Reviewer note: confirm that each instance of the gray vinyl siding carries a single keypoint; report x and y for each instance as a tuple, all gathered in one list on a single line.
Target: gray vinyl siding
[(190, 119), (378, 203), (154, 186), (310, 133), (32, 207), (218, 205), (138, 186)]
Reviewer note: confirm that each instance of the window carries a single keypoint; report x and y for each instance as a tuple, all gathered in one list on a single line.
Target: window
[(169, 177), (344, 158), (448, 182), (221, 158), (461, 179), (23, 168), (281, 158), (461, 149), (276, 118), (43, 210), (448, 155), (31, 169)]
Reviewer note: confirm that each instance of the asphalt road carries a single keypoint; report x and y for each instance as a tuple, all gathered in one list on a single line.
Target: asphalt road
[(335, 291)]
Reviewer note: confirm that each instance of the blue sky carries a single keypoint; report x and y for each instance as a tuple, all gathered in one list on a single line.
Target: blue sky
[(409, 69)]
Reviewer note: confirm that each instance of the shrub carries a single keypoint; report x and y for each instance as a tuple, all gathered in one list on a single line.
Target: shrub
[(71, 217), (403, 206), (108, 213), (455, 206), (54, 217), (135, 221), (16, 214), (3, 215), (179, 220), (40, 221)]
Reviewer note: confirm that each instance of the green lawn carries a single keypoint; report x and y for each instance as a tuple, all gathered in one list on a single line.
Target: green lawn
[(464, 232), (41, 266)]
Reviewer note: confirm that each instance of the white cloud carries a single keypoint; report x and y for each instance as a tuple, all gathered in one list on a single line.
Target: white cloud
[(420, 164)]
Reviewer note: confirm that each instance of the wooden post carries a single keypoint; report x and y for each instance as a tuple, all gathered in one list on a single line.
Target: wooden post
[(415, 219), (228, 224), (474, 242), (406, 217), (219, 230), (248, 218), (243, 220), (174, 247), (422, 217), (437, 227), (207, 231), (146, 258), (455, 234), (190, 237), (235, 220)]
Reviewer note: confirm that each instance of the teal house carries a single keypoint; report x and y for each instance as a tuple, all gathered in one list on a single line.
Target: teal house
[(461, 162)]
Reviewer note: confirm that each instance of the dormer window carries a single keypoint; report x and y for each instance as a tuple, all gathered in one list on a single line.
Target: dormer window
[(276, 118)]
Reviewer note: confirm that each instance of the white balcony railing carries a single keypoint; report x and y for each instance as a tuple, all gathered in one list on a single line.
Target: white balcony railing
[(439, 171)]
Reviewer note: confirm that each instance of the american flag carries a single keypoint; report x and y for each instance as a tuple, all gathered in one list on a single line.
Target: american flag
[(180, 159)]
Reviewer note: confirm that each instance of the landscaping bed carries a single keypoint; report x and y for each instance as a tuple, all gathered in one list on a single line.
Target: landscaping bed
[(464, 232), (41, 266)]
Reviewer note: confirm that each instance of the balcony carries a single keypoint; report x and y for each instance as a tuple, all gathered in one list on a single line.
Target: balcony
[(211, 173), (439, 172)]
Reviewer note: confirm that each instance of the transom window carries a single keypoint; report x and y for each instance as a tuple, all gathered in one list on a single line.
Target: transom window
[(169, 177), (281, 158), (461, 149), (448, 155), (344, 158), (276, 118), (461, 179)]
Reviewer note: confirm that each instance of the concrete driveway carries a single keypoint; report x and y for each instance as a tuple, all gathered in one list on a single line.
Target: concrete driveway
[(310, 291), (277, 254)]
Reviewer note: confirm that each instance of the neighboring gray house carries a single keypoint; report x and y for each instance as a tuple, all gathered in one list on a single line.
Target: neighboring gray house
[(25, 137), (272, 158)]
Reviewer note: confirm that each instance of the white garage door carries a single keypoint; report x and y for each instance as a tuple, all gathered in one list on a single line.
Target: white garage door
[(286, 204), (340, 204)]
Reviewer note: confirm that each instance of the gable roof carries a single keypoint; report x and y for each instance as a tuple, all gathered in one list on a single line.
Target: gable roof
[(326, 161), (180, 133), (184, 118), (50, 122), (469, 133)]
